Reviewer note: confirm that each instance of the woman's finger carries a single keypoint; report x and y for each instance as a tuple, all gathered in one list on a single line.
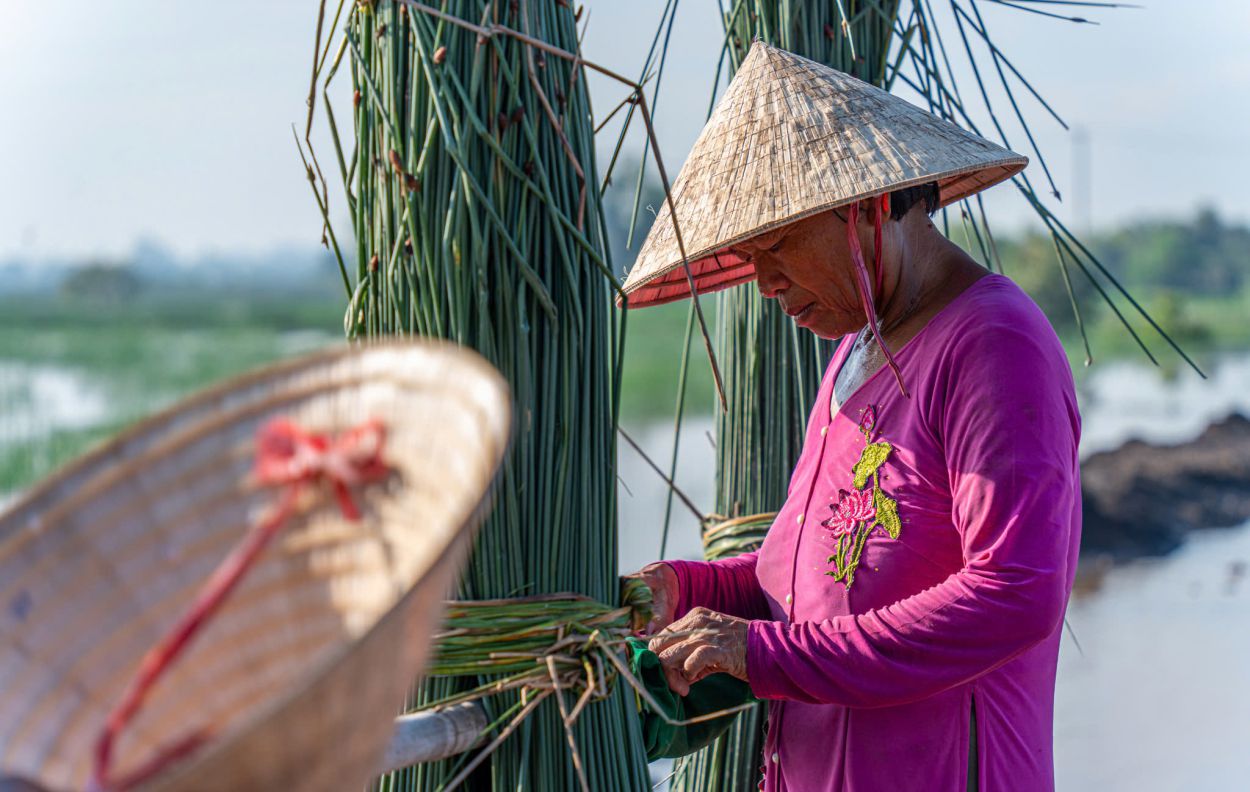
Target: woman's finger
[(664, 639), (678, 631), (676, 680), (672, 661), (702, 662), (674, 655)]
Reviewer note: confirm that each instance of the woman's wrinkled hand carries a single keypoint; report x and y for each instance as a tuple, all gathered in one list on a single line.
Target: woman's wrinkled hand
[(662, 581), (701, 643)]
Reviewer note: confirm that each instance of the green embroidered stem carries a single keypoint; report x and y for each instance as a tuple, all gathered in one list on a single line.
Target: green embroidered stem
[(861, 539), (836, 559)]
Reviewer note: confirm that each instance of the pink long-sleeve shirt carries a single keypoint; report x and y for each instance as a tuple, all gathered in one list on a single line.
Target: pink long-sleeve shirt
[(922, 562)]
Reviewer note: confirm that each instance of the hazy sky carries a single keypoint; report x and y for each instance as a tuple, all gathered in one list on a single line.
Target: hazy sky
[(124, 119)]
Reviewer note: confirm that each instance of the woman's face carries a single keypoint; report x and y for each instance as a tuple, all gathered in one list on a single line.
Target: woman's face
[(806, 266)]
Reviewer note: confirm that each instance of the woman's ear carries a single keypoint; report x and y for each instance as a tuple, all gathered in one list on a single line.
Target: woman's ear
[(869, 208)]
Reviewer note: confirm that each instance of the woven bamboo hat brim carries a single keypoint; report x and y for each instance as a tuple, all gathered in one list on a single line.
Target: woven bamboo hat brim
[(791, 138), (297, 679)]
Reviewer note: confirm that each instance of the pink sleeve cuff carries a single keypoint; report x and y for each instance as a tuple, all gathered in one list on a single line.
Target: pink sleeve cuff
[(728, 586), (762, 672)]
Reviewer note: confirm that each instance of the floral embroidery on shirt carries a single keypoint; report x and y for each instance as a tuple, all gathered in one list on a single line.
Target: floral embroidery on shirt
[(862, 510)]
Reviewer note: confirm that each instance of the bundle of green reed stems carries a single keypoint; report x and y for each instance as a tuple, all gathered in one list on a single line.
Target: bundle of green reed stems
[(474, 202)]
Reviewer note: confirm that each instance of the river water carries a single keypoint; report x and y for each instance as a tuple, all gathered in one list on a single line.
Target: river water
[(37, 399), (1157, 696)]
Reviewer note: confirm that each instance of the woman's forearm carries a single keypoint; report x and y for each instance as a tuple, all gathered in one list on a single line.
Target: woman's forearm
[(918, 647), (1011, 594), (726, 586)]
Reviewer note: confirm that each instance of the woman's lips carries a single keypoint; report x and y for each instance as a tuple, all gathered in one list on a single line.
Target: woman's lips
[(799, 314)]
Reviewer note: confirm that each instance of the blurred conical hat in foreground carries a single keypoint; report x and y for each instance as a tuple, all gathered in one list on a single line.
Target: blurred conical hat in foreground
[(791, 138), (297, 678)]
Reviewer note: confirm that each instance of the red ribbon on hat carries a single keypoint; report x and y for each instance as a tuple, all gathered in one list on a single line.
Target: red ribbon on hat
[(287, 456)]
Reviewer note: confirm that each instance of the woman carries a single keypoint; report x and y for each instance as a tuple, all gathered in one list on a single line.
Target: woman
[(903, 614)]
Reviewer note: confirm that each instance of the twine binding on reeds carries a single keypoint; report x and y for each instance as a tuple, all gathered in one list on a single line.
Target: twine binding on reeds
[(725, 537)]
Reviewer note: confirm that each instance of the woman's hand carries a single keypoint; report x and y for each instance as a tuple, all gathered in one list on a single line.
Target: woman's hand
[(662, 581), (701, 643)]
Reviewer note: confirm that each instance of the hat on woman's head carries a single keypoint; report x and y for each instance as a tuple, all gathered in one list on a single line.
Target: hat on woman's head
[(789, 139)]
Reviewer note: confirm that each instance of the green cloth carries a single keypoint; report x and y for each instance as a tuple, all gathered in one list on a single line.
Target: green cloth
[(716, 692)]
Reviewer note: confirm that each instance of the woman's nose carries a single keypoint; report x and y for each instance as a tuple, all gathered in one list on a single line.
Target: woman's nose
[(770, 282)]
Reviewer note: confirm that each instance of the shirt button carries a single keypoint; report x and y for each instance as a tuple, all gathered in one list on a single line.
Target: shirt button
[(775, 758), (800, 520), (824, 430), (789, 598)]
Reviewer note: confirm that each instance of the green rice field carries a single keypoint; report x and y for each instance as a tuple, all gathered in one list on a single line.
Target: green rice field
[(73, 374)]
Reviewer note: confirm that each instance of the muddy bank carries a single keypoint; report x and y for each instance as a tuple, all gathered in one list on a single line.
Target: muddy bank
[(1140, 500)]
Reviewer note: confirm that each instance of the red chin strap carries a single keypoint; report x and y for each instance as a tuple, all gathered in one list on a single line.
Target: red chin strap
[(883, 211), (861, 271)]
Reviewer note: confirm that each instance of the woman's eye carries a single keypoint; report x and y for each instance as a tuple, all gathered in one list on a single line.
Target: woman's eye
[(776, 246)]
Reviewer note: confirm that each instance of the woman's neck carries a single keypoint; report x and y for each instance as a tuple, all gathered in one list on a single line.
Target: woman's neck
[(929, 271)]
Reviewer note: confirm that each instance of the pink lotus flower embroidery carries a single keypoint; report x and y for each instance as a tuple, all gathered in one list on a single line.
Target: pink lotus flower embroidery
[(857, 504), (839, 524), (853, 507)]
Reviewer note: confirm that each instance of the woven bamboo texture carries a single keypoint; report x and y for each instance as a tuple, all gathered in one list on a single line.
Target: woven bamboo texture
[(791, 138), (298, 677)]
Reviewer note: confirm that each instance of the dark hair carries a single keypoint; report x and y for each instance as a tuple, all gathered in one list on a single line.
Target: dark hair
[(901, 201)]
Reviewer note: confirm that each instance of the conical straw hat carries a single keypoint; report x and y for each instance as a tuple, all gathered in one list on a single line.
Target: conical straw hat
[(296, 680), (791, 138)]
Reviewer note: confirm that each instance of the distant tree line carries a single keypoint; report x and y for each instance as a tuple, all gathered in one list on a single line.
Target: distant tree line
[(101, 282), (1167, 264)]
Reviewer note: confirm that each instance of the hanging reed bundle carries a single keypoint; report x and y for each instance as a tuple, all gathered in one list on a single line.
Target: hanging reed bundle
[(474, 203)]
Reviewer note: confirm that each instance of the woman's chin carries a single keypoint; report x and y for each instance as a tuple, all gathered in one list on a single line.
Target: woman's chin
[(821, 324), (821, 332)]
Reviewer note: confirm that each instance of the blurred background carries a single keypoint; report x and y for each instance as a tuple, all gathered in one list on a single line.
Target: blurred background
[(157, 233)]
